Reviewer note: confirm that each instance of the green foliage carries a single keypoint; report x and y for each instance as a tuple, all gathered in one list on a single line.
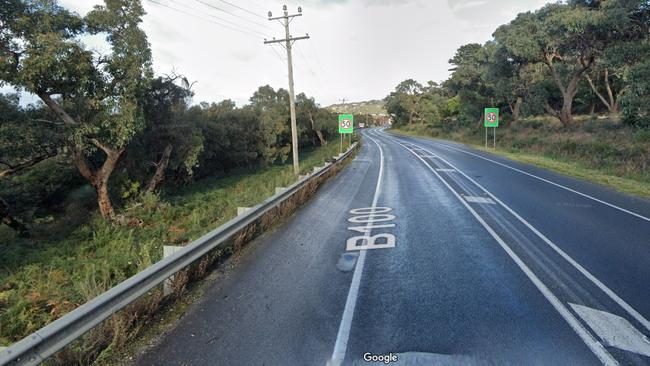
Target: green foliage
[(636, 101), (51, 274), (584, 56), (412, 102)]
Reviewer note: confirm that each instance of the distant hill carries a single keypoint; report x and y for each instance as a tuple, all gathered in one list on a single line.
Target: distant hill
[(368, 107)]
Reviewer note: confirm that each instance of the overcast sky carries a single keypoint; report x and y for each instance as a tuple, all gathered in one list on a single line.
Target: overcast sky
[(359, 49)]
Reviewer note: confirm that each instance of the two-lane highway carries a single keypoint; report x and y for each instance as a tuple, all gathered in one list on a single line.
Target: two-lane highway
[(440, 255)]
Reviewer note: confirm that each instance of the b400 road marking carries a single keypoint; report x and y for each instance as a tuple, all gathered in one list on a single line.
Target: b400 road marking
[(373, 218)]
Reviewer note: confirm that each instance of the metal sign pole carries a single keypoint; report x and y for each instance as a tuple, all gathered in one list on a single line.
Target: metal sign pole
[(495, 138), (341, 144), (486, 136)]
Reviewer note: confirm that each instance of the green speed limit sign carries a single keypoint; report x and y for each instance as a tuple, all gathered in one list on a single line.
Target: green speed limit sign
[(491, 117), (346, 123)]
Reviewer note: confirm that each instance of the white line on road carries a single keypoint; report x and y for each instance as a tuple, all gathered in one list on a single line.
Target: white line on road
[(343, 335), (474, 199), (614, 330), (612, 295), (549, 182), (586, 337)]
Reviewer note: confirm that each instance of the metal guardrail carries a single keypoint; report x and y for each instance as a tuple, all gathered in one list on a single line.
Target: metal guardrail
[(50, 339)]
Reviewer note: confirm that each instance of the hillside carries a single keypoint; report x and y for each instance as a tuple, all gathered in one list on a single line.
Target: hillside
[(367, 107)]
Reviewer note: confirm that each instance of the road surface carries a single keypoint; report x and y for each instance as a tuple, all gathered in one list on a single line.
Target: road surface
[(431, 253)]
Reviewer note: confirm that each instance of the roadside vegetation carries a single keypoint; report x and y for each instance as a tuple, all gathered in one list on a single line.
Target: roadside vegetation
[(114, 162), (70, 260), (599, 151), (571, 81)]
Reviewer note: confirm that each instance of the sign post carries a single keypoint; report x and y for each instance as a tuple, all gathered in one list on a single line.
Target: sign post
[(346, 126), (491, 120)]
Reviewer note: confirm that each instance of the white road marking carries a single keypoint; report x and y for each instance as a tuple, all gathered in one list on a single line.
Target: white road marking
[(612, 295), (586, 337), (614, 330), (343, 335), (445, 170), (475, 199), (550, 182), (370, 242), (428, 156)]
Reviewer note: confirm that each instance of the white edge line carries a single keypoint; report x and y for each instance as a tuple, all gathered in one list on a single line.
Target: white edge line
[(612, 295), (586, 337), (549, 182), (343, 335)]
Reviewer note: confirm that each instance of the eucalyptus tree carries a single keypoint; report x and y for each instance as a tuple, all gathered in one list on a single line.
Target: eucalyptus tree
[(98, 97), (565, 38)]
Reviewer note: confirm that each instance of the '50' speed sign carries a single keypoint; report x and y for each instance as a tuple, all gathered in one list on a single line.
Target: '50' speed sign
[(346, 123), (491, 117)]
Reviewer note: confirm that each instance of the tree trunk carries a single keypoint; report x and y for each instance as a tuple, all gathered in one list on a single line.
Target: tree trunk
[(611, 102), (159, 175), (99, 179), (104, 200), (319, 133), (10, 221), (515, 108), (566, 115)]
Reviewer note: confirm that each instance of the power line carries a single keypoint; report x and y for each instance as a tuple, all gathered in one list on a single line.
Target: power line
[(204, 19), (231, 13), (242, 9), (282, 59), (302, 55), (237, 25), (256, 4)]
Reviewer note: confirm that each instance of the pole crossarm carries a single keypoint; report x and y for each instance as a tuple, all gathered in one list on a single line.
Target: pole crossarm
[(292, 39), (286, 16)]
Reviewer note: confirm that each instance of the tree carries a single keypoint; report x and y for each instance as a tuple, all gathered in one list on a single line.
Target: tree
[(97, 97), (565, 38), (404, 102), (272, 108), (169, 138), (38, 140), (625, 47), (319, 122), (469, 81)]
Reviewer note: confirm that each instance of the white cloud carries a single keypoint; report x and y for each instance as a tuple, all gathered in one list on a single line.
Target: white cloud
[(359, 49)]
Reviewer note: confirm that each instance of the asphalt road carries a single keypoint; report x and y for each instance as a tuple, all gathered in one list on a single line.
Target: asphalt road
[(439, 255)]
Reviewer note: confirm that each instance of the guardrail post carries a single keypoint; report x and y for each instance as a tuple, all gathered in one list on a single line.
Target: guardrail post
[(242, 210), (167, 251)]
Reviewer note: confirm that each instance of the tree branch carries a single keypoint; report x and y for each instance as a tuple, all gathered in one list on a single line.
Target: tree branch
[(24, 165), (47, 99), (593, 87), (105, 148), (46, 121)]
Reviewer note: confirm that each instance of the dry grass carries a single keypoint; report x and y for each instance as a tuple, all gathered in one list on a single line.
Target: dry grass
[(594, 150)]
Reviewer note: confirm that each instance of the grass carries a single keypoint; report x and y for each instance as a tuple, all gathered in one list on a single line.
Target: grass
[(594, 150), (47, 276)]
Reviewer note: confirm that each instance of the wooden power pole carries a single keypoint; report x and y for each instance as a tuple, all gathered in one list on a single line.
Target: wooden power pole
[(287, 43)]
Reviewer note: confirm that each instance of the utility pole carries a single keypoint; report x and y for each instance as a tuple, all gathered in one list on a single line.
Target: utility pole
[(287, 43)]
